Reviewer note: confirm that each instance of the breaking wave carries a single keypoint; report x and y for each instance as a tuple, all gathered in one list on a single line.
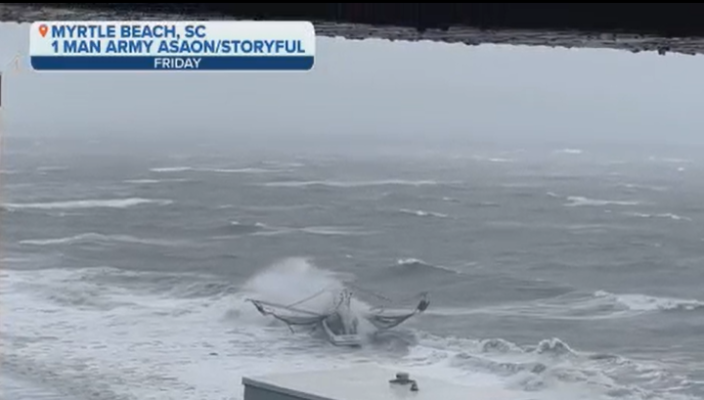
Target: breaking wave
[(661, 215), (568, 151), (100, 238), (284, 164), (246, 170), (48, 169), (296, 281), (171, 169), (417, 264), (244, 228), (291, 280), (144, 317), (641, 302), (577, 306), (421, 213), (334, 231), (578, 201), (82, 204), (638, 186), (354, 184), (261, 229), (550, 369), (670, 160), (493, 159), (153, 181)]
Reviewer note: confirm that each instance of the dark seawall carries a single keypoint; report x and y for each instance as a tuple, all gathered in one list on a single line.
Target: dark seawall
[(630, 26)]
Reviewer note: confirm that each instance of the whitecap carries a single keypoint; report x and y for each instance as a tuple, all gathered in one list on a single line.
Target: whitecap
[(353, 184), (93, 203), (421, 213), (642, 302), (577, 201)]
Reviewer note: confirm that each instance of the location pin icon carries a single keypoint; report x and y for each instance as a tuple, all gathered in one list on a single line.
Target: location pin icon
[(43, 29)]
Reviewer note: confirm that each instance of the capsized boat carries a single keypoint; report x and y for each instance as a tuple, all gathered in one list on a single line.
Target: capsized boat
[(339, 321)]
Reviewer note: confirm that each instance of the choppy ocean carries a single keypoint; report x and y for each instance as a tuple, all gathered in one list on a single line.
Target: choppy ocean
[(566, 273)]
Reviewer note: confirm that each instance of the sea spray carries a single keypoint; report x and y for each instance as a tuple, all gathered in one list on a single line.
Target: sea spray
[(292, 280)]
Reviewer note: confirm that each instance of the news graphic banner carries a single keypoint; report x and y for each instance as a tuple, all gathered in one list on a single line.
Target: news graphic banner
[(172, 46)]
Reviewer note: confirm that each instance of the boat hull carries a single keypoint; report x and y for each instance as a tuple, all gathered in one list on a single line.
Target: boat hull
[(347, 340)]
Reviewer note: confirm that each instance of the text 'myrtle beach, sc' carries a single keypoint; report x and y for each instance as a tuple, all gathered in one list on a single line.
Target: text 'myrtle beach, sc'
[(172, 46)]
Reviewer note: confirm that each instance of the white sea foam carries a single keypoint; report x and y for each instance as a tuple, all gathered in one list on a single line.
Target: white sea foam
[(153, 181), (100, 238), (493, 159), (416, 262), (51, 168), (578, 201), (353, 184), (641, 302), (643, 187), (660, 215), (91, 203), (245, 170), (79, 335), (262, 229), (569, 151), (421, 213), (670, 160), (334, 231), (172, 169)]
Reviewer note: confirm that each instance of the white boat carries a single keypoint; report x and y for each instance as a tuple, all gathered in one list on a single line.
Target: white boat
[(340, 322), (342, 326)]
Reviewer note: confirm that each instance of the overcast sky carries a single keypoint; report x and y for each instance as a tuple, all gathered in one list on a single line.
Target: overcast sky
[(378, 89)]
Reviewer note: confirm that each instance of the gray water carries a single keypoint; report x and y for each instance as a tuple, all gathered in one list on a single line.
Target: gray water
[(568, 274)]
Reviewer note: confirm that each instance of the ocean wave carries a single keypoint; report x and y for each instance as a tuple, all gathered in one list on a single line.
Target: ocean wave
[(661, 215), (81, 204), (153, 181), (641, 302), (284, 164), (172, 169), (522, 185), (245, 170), (16, 260), (670, 160), (494, 159), (261, 229), (486, 204), (245, 228), (100, 238), (547, 350), (355, 184), (212, 326), (113, 287), (418, 264), (566, 307), (334, 231), (639, 186), (51, 169), (577, 306), (315, 230), (421, 213), (578, 201), (241, 170), (552, 368), (568, 151)]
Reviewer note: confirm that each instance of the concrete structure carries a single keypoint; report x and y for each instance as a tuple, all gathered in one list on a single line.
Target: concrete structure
[(663, 27), (364, 383)]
